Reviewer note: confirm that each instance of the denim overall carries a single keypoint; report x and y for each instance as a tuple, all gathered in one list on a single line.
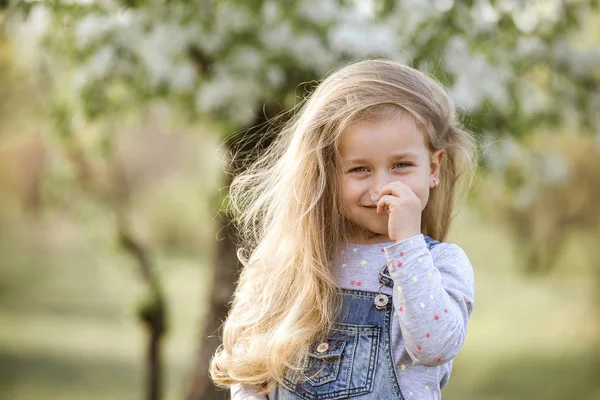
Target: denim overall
[(355, 360)]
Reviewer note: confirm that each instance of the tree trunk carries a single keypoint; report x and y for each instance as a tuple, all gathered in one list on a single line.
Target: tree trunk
[(226, 265), (225, 275), (154, 375), (151, 312)]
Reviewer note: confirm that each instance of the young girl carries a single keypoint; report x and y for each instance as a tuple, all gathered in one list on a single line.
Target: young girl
[(347, 289)]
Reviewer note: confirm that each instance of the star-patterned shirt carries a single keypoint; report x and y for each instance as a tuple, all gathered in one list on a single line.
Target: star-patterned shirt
[(433, 297)]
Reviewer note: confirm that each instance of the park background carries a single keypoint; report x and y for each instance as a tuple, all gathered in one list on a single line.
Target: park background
[(117, 118)]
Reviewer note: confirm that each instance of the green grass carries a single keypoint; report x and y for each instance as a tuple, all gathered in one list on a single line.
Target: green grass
[(68, 328), (527, 375), (529, 337)]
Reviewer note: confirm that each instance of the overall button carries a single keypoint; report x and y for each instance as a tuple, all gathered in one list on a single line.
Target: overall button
[(381, 301), (322, 348)]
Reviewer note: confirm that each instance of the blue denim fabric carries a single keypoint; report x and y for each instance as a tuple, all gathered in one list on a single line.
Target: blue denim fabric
[(358, 362)]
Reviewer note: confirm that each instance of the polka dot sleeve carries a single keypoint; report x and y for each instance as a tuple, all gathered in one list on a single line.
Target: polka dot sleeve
[(433, 297)]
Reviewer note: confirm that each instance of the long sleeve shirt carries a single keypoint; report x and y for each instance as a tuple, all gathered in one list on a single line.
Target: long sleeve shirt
[(433, 297)]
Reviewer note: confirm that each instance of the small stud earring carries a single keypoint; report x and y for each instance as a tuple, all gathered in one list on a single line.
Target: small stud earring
[(435, 183)]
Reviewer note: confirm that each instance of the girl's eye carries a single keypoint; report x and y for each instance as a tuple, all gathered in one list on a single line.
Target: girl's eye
[(402, 165), (359, 169)]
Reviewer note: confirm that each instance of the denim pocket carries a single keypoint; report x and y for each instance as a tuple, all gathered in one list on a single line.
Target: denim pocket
[(322, 366), (339, 367)]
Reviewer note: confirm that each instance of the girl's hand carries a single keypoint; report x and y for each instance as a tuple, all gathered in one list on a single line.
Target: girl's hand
[(404, 210)]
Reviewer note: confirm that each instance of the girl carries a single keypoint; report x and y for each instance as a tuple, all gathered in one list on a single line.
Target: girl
[(347, 290)]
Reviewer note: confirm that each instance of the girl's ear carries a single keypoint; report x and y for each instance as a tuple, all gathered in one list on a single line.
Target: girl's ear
[(436, 161)]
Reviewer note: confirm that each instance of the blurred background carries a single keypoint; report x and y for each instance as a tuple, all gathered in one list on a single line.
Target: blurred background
[(117, 118)]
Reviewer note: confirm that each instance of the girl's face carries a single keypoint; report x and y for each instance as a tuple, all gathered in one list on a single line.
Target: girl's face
[(375, 153)]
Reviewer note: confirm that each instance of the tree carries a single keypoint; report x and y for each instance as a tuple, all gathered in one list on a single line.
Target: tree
[(506, 64)]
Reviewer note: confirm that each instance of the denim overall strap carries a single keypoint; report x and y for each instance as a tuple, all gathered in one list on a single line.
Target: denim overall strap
[(384, 274), (355, 359)]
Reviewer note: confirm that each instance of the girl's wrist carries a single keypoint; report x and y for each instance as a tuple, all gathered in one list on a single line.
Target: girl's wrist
[(404, 237), (405, 246)]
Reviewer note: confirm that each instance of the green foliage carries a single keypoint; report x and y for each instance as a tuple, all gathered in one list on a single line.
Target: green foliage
[(215, 38)]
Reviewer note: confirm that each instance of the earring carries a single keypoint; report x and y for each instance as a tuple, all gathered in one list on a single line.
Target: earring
[(435, 183)]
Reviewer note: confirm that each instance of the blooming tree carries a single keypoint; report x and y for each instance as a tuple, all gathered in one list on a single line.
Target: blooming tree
[(510, 65)]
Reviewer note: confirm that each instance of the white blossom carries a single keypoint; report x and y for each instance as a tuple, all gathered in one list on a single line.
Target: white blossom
[(365, 7), (410, 16), (350, 29), (183, 76), (363, 39), (79, 79), (319, 11), (531, 13), (271, 12), (554, 169), (483, 15), (443, 5), (278, 37), (501, 153), (99, 64), (232, 18), (96, 26), (82, 2), (309, 52), (580, 62), (275, 76), (160, 47), (534, 100), (91, 27), (248, 59), (526, 19), (507, 6), (476, 78), (216, 93), (528, 46)]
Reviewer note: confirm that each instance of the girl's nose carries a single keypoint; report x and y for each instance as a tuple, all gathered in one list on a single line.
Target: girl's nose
[(374, 195)]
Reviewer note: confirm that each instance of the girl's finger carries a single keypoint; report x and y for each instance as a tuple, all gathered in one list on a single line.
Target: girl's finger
[(384, 203), (396, 188)]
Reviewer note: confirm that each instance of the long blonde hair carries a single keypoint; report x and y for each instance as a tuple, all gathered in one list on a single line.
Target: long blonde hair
[(290, 221)]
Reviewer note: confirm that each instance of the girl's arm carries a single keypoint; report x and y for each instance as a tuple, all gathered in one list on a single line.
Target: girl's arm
[(433, 297), (244, 392)]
